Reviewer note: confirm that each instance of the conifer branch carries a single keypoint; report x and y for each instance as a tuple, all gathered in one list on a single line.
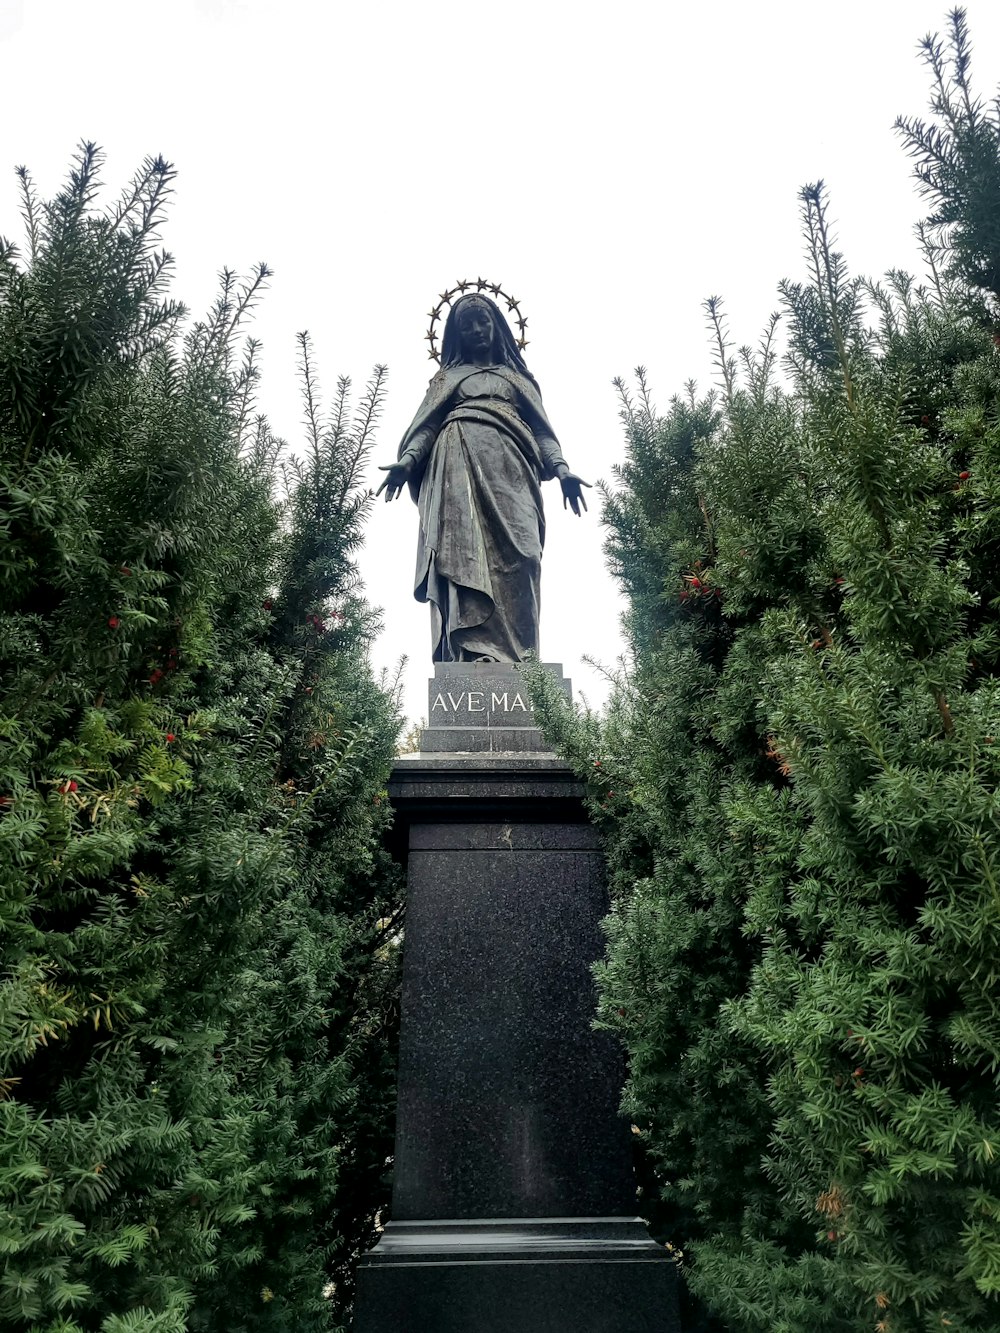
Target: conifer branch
[(648, 411), (722, 360), (245, 385), (827, 270), (309, 396), (361, 440), (30, 212), (930, 253)]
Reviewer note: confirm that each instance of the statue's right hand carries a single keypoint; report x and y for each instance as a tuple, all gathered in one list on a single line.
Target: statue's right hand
[(399, 475)]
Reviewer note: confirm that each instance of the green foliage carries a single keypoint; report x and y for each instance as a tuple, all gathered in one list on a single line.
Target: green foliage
[(797, 780), (955, 157), (197, 1012)]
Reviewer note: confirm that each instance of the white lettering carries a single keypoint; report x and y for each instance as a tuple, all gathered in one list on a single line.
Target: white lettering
[(475, 702)]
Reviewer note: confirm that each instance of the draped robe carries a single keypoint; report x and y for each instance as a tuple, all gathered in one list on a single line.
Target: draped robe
[(480, 446)]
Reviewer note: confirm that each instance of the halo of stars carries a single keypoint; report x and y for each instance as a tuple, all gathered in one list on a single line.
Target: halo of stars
[(479, 287)]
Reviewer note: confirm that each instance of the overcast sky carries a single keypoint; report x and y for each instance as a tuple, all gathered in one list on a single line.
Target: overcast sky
[(611, 164)]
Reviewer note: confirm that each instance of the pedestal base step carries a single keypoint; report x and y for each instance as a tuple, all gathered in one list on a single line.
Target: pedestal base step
[(545, 1275), (481, 740)]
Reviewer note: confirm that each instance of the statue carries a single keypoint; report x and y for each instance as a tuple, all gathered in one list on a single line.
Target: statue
[(473, 459)]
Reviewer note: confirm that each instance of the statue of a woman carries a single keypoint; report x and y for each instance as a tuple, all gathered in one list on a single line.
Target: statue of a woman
[(473, 459)]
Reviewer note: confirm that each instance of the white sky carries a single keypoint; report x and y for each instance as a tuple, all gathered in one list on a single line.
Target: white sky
[(611, 165)]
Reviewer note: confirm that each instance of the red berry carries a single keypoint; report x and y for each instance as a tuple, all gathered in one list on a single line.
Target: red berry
[(858, 1072), (113, 622), (964, 476), (67, 787), (268, 604), (925, 420), (597, 763), (124, 569), (831, 1235), (695, 581), (170, 737), (156, 676)]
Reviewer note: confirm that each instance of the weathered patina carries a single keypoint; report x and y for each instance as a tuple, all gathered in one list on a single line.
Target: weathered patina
[(473, 459)]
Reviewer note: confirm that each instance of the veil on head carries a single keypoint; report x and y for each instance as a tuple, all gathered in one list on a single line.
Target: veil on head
[(504, 351)]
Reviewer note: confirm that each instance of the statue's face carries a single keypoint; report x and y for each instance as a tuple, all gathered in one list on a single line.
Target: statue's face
[(475, 328)]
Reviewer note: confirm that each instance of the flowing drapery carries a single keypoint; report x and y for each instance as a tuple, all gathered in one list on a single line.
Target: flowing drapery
[(481, 445)]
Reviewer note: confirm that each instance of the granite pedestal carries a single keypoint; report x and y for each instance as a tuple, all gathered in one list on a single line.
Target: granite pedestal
[(513, 1200)]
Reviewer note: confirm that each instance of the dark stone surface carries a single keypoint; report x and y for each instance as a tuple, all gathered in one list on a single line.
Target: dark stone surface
[(485, 1239), (591, 1275), (476, 740), (523, 787), (513, 837), (513, 1197), (508, 1100), (482, 694), (467, 768), (482, 708)]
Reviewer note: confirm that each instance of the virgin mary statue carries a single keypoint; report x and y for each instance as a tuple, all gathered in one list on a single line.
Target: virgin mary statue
[(474, 459)]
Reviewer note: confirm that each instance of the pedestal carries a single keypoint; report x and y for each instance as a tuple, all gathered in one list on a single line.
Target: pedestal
[(513, 1200)]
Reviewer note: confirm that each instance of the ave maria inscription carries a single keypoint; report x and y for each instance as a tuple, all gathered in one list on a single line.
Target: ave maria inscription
[(466, 702), (481, 706)]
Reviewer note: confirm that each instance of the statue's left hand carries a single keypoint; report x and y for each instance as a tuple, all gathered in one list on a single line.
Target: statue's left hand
[(572, 494)]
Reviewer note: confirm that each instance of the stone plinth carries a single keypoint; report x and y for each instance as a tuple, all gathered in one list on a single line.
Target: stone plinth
[(503, 1092), (596, 1275), (513, 1200), (481, 706)]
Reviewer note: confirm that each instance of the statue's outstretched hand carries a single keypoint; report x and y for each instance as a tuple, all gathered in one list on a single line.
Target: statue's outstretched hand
[(572, 494), (399, 475)]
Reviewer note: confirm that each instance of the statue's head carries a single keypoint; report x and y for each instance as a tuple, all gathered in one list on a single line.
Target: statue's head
[(477, 330), (472, 319)]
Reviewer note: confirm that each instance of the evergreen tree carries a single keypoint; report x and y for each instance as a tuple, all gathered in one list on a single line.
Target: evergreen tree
[(197, 1009), (798, 785), (955, 157)]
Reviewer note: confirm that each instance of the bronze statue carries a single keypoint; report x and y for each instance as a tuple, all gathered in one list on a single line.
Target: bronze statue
[(474, 458)]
